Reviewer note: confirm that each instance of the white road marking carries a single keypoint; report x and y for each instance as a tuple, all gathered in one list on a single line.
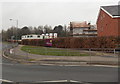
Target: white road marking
[(5, 80), (60, 65), (6, 64), (106, 66), (52, 81)]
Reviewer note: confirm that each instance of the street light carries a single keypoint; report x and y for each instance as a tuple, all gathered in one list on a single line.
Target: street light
[(16, 22), (16, 30), (16, 25)]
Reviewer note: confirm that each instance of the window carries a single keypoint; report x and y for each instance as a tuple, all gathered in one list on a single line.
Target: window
[(28, 36), (31, 36), (38, 36)]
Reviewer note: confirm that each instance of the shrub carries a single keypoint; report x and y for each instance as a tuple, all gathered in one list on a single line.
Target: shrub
[(78, 42)]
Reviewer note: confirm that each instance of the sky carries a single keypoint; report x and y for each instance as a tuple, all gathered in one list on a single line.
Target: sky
[(49, 12)]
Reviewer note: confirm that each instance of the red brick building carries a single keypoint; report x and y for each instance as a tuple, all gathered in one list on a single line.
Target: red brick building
[(108, 22)]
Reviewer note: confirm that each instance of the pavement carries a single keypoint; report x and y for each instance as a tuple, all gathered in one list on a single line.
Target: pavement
[(18, 54)]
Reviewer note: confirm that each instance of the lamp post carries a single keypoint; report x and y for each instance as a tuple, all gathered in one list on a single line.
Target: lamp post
[(16, 26), (16, 32)]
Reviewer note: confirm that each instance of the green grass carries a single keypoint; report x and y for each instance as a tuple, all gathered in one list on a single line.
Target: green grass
[(52, 51)]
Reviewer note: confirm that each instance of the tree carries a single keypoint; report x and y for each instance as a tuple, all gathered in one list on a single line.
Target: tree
[(25, 30), (47, 29), (58, 29), (4, 36), (40, 29), (31, 29), (62, 31)]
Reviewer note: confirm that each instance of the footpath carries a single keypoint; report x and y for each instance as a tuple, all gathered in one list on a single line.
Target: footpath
[(16, 54)]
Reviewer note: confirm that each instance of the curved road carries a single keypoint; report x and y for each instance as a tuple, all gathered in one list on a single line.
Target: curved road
[(29, 73)]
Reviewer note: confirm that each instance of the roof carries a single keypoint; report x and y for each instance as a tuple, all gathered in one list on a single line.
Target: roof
[(79, 24), (30, 34), (112, 10), (90, 30), (85, 34)]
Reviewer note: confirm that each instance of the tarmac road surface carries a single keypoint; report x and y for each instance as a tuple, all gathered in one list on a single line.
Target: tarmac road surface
[(24, 73)]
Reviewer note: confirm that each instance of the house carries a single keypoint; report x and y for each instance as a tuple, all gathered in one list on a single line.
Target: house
[(108, 22), (82, 29), (42, 36)]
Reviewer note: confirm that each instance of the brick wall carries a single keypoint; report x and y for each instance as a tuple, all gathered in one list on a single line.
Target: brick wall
[(107, 26)]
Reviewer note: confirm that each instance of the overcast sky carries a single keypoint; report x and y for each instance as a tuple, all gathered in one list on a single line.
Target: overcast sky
[(50, 12)]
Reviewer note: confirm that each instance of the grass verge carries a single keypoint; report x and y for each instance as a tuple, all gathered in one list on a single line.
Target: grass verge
[(52, 51)]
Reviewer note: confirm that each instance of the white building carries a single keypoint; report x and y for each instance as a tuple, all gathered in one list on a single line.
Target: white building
[(42, 36), (82, 29)]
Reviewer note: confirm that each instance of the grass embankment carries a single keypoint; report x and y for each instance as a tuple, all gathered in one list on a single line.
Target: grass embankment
[(52, 51)]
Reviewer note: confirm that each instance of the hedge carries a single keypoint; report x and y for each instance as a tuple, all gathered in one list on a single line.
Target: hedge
[(78, 42)]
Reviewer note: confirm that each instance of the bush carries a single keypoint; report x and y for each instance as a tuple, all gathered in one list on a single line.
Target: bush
[(86, 42), (78, 42)]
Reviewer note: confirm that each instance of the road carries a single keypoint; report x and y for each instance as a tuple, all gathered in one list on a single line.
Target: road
[(41, 73), (29, 73)]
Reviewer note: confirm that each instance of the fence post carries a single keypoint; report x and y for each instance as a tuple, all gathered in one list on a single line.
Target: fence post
[(27, 53), (90, 56), (114, 53)]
